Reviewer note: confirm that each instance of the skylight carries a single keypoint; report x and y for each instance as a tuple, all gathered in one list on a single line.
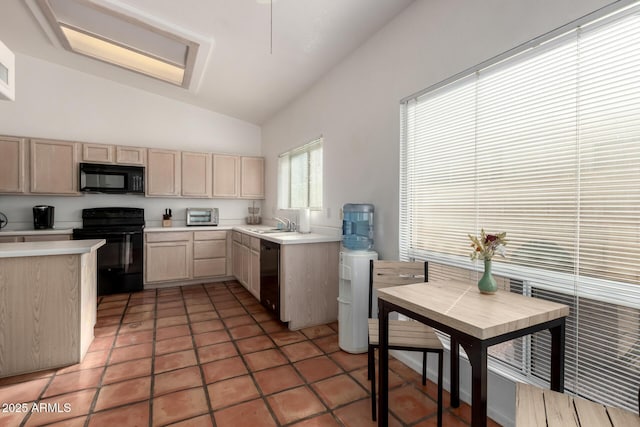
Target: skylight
[(95, 31)]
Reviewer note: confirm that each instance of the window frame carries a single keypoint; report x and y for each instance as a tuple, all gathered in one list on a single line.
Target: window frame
[(285, 181)]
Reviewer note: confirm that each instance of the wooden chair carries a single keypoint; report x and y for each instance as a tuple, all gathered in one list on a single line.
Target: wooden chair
[(403, 334)]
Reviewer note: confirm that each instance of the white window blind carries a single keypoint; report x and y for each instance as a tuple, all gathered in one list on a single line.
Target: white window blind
[(545, 145), (300, 177)]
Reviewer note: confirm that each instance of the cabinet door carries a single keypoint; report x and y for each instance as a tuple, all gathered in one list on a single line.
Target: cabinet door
[(252, 178), (236, 254), (244, 273), (209, 267), (12, 165), (209, 249), (53, 166), (254, 273), (163, 173), (196, 174), (167, 261), (131, 155), (97, 153), (226, 176), (46, 237)]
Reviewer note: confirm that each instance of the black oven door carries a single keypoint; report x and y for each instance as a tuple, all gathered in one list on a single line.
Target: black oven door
[(120, 260)]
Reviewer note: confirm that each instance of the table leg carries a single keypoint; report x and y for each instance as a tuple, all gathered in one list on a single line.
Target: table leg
[(455, 373), (383, 364), (557, 357), (477, 354)]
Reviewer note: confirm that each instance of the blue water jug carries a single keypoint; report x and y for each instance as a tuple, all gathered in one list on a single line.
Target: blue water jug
[(357, 226)]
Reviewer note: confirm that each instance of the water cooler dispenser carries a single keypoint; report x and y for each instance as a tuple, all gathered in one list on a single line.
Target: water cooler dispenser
[(355, 257)]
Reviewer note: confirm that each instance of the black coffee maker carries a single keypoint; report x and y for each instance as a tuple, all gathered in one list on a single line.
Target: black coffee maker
[(43, 217)]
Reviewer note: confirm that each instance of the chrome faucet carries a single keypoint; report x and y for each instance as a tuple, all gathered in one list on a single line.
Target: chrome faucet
[(285, 221)]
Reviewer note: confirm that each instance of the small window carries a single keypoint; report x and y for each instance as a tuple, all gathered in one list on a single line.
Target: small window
[(300, 177)]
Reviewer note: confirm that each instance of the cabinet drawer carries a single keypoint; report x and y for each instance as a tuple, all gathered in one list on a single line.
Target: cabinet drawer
[(209, 235), (246, 240), (237, 236), (209, 249), (47, 238), (209, 267), (10, 239), (169, 236), (255, 244)]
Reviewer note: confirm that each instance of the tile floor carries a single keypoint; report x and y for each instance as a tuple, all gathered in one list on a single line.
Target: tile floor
[(210, 355)]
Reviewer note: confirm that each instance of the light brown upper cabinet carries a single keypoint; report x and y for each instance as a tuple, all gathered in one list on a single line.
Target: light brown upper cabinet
[(120, 154), (226, 176), (196, 174), (131, 155), (252, 178), (12, 164), (163, 172), (54, 167)]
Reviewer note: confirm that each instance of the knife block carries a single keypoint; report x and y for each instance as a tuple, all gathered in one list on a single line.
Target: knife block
[(166, 223)]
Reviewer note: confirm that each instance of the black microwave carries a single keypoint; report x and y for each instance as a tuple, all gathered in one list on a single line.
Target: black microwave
[(114, 179)]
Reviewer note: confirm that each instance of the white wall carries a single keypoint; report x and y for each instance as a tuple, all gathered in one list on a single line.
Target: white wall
[(61, 103), (356, 106)]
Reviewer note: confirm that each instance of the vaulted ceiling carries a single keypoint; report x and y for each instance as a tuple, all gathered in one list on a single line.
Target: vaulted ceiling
[(257, 56)]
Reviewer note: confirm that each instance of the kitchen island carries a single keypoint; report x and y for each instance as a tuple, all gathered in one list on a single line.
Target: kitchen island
[(48, 296)]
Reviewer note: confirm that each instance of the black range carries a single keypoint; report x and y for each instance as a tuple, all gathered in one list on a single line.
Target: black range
[(120, 261)]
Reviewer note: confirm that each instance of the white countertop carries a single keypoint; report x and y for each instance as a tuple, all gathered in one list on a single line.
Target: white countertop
[(283, 238), (62, 247), (32, 232)]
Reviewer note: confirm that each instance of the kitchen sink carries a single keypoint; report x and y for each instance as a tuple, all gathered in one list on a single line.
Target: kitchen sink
[(269, 231)]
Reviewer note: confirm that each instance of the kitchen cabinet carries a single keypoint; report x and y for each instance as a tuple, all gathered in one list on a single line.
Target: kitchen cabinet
[(196, 174), (118, 154), (168, 256), (163, 172), (209, 253), (135, 156), (246, 261), (252, 178), (97, 153), (13, 164), (53, 167), (254, 269), (44, 237), (226, 176)]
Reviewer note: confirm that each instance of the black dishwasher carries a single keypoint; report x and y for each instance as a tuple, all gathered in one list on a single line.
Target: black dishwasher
[(270, 276)]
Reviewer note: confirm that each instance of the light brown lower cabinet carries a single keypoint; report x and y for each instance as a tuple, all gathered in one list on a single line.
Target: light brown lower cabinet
[(35, 238), (209, 253), (246, 261)]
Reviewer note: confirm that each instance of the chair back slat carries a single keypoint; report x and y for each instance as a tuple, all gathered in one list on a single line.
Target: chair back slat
[(396, 273)]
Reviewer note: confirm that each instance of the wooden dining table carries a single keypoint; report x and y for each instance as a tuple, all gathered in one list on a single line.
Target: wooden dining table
[(474, 321)]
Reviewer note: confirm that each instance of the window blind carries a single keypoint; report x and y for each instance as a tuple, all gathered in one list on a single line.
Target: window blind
[(300, 177), (545, 145)]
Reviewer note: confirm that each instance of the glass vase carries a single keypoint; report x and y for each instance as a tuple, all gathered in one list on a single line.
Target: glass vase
[(487, 284)]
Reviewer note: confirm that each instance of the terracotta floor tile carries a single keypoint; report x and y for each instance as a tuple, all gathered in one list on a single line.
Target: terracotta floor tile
[(132, 352), (255, 308), (227, 303), (223, 369), (219, 351), (201, 317), (140, 308), (78, 403), (201, 421), (463, 411), (317, 331), (106, 303), (199, 308), (122, 393), (23, 392), (245, 331), (171, 321), (273, 326), (253, 344), (91, 360), (300, 351), (263, 317), (206, 326), (448, 420), (134, 338), (324, 420), (172, 332), (170, 304), (265, 359), (131, 416), (410, 404), (105, 331), (137, 317), (232, 391), (11, 419), (75, 381), (349, 361), (180, 405), (358, 414), (336, 391), (129, 328), (361, 376), (102, 343), (174, 344), (179, 379), (287, 337), (403, 370), (105, 312), (317, 368), (230, 312), (127, 370), (170, 312), (328, 344), (171, 361), (108, 321), (277, 379), (209, 338), (295, 404), (73, 422), (249, 414), (232, 322), (26, 377)]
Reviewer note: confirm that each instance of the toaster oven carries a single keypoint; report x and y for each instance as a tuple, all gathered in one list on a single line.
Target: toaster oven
[(202, 216)]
